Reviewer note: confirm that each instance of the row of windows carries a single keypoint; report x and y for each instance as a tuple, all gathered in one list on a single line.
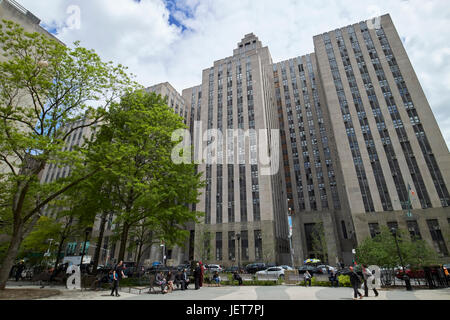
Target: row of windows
[(361, 175), (232, 244)]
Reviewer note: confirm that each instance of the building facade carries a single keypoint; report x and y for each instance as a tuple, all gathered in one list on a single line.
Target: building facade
[(352, 142), (358, 143)]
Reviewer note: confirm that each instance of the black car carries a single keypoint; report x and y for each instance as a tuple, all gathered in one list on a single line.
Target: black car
[(255, 267), (311, 269), (344, 271), (231, 269), (158, 268)]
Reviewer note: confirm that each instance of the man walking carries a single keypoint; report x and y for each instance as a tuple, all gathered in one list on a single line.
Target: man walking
[(19, 270), (355, 280), (117, 275)]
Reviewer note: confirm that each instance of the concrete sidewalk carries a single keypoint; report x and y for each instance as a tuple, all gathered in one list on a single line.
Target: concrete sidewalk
[(282, 292)]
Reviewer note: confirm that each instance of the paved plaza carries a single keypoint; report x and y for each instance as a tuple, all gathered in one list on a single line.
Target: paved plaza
[(281, 292)]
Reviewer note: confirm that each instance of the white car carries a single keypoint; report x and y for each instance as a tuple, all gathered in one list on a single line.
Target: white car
[(278, 271), (215, 267), (286, 267)]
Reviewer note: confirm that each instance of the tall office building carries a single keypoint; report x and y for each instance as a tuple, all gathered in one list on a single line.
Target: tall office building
[(10, 10), (360, 148), (390, 149), (239, 200)]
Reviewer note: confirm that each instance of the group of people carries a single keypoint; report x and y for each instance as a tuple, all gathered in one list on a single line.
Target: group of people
[(367, 279), (355, 280), (182, 279)]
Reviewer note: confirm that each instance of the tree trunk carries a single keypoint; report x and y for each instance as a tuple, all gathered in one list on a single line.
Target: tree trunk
[(138, 262), (123, 241), (11, 255), (99, 241), (61, 245)]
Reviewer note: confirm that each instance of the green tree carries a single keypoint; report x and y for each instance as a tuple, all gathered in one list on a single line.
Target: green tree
[(319, 243), (37, 241), (47, 91), (203, 246), (145, 182), (382, 250)]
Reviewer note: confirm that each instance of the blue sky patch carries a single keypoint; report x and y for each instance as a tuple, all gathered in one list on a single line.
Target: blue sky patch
[(50, 28), (171, 5)]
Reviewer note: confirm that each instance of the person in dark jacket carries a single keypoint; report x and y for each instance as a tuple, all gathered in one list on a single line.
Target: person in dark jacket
[(355, 280), (202, 272), (197, 275), (117, 275), (237, 277), (19, 270)]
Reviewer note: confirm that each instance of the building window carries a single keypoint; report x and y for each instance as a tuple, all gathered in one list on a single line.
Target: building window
[(258, 245), (413, 229), (218, 246), (436, 236), (231, 246), (344, 229), (244, 245), (308, 235), (374, 229), (392, 225)]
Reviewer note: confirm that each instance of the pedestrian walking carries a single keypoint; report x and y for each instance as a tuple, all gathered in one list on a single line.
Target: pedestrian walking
[(19, 270), (307, 277), (369, 278), (355, 280), (197, 275), (117, 276)]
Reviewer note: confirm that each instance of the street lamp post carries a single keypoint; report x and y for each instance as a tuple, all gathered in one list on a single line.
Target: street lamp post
[(87, 231), (238, 238), (405, 276)]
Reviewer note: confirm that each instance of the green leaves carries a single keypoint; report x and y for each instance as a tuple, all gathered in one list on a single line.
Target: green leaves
[(134, 149), (382, 250)]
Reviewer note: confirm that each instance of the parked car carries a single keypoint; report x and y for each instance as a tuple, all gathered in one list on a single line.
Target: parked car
[(158, 268), (311, 269), (214, 267), (286, 267), (186, 266), (344, 272), (255, 267), (278, 271), (323, 268), (231, 269)]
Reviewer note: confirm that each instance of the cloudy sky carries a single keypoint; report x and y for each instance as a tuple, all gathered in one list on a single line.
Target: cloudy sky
[(168, 40)]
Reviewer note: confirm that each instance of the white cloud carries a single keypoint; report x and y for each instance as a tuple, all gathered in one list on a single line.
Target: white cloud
[(140, 36)]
